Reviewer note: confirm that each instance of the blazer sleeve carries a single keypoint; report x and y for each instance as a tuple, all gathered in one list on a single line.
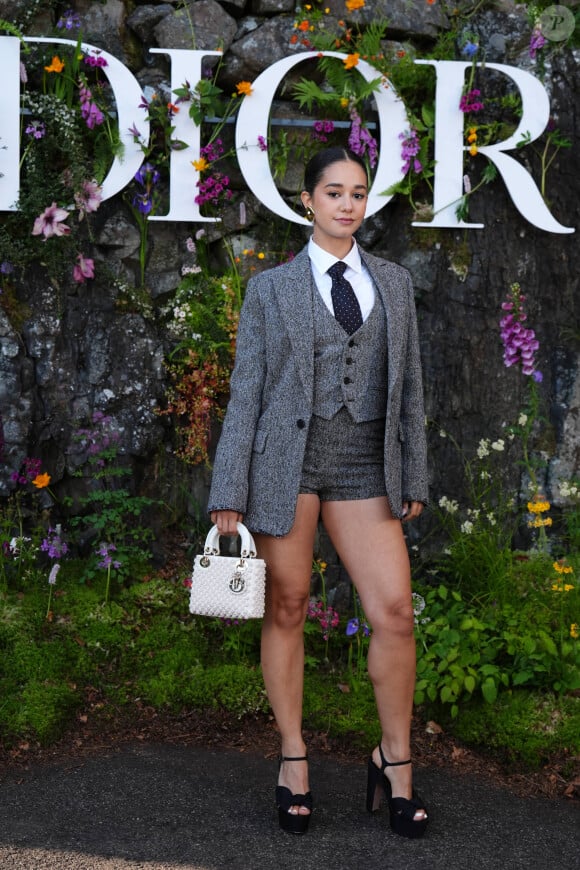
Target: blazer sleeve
[(229, 487), (414, 482)]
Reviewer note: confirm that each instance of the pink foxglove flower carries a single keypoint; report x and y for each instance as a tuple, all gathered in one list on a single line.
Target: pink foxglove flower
[(84, 268), (49, 223)]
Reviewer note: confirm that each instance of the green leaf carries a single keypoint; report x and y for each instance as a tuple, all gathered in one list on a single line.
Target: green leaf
[(469, 683), (489, 690)]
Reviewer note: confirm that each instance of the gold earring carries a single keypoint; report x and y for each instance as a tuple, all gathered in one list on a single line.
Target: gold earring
[(309, 214)]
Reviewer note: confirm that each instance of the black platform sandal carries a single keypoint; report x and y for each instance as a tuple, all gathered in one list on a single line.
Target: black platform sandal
[(401, 810), (293, 823)]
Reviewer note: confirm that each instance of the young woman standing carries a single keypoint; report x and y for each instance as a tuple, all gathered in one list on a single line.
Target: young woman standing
[(326, 422)]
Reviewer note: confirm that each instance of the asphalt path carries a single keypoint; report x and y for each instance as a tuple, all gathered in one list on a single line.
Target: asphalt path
[(166, 807)]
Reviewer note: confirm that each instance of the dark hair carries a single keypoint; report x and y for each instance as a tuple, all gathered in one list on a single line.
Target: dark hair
[(323, 159)]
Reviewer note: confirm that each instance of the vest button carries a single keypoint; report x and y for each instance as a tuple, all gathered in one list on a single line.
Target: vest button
[(348, 360), (352, 343), (347, 381), (300, 423)]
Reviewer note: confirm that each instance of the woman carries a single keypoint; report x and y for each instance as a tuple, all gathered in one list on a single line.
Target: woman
[(327, 421)]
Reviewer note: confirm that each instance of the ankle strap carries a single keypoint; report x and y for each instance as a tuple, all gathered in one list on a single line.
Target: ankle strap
[(292, 758), (386, 763)]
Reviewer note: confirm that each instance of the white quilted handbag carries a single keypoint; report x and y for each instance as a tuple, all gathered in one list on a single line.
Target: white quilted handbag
[(230, 587)]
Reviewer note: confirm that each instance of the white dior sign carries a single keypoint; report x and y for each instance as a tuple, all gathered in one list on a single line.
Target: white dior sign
[(252, 121)]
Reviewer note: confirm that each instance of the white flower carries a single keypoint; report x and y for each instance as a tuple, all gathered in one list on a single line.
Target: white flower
[(498, 445), (522, 419), (418, 608), (467, 527), (53, 572), (491, 519), (190, 245), (442, 433), (483, 448), (484, 475), (448, 505)]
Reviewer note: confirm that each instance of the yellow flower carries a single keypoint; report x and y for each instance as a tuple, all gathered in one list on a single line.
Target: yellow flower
[(539, 522), (201, 165), (351, 5), (244, 88), (41, 480), (351, 60), (537, 506), (472, 137), (343, 102), (473, 150), (562, 568), (574, 630), (261, 256), (56, 66), (567, 587)]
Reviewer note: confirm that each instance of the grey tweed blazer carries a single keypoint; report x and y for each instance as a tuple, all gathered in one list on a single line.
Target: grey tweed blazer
[(258, 462)]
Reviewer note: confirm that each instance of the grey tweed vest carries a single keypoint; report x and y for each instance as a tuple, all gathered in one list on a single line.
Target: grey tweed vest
[(350, 371)]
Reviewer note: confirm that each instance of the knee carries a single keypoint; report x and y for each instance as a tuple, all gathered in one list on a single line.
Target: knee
[(288, 611), (397, 618)]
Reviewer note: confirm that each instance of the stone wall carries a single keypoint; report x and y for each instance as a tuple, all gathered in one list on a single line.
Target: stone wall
[(78, 351)]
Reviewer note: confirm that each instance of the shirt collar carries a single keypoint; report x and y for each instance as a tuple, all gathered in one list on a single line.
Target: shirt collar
[(322, 260)]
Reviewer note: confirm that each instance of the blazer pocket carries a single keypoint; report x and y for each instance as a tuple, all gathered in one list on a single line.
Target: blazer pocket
[(260, 441)]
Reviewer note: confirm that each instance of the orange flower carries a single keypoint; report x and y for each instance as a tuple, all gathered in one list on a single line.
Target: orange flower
[(430, 2), (41, 480), (56, 66), (201, 165), (244, 88), (351, 60), (304, 25), (293, 39), (173, 108), (351, 5), (473, 150)]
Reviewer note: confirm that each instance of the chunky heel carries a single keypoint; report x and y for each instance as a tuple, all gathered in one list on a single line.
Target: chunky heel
[(401, 810), (292, 823)]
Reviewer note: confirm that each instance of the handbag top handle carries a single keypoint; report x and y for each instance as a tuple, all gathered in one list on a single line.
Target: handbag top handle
[(248, 547)]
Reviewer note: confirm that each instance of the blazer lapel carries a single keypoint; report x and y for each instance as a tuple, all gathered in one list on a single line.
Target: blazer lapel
[(295, 299)]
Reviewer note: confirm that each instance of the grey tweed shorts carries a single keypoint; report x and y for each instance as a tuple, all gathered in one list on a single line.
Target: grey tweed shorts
[(344, 460)]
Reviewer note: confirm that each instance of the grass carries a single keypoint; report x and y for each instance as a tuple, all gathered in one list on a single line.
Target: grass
[(144, 647)]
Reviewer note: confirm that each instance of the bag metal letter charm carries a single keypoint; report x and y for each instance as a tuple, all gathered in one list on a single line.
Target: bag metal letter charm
[(237, 583)]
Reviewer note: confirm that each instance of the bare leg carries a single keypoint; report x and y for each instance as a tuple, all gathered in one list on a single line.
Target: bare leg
[(289, 569), (372, 548)]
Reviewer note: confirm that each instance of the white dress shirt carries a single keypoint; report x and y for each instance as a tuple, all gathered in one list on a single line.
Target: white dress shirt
[(356, 273)]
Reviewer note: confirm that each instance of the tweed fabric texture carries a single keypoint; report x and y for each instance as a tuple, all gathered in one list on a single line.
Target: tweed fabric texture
[(350, 371), (260, 454), (343, 459), (346, 305)]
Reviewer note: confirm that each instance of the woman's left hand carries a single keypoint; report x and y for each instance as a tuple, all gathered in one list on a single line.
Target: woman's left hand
[(411, 510)]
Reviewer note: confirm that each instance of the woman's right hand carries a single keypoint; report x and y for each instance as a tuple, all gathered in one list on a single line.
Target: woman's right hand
[(226, 521)]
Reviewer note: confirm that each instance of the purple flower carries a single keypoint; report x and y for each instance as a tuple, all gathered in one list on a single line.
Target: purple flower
[(469, 101), (36, 129), (352, 627), (262, 143), (360, 140), (409, 151), (69, 21), (53, 572), (6, 268), (107, 561), (54, 545), (520, 343), (90, 112), (537, 41), (147, 176), (322, 129), (88, 199), (95, 60), (31, 469)]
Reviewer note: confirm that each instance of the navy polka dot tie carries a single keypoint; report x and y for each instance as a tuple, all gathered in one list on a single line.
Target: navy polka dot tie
[(346, 308)]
